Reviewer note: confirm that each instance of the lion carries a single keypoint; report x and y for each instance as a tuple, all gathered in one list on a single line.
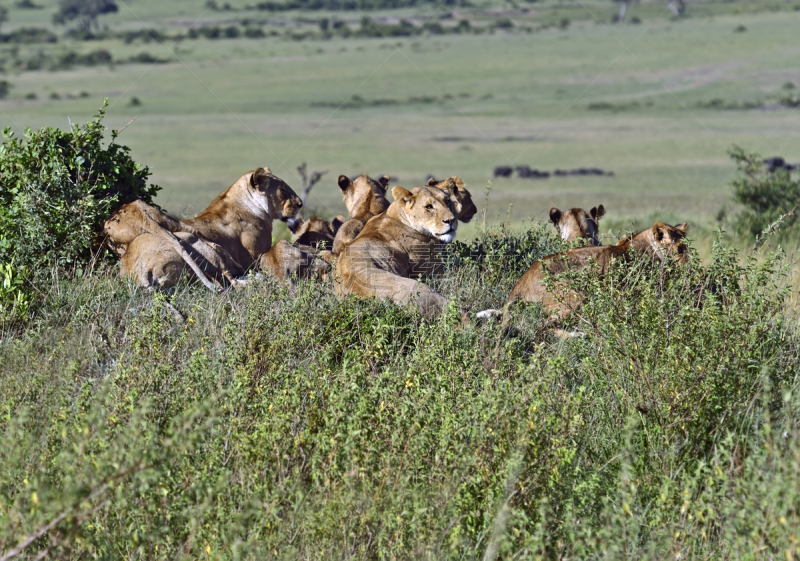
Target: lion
[(153, 261), (377, 262), (137, 218), (238, 223), (285, 261), (364, 198), (575, 223), (315, 232), (660, 242)]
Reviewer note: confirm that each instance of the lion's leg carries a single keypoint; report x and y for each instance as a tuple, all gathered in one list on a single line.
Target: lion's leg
[(400, 290)]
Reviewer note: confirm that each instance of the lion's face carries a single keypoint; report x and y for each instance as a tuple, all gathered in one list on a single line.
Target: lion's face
[(427, 211), (668, 242), (575, 223), (281, 201), (461, 199), (356, 191)]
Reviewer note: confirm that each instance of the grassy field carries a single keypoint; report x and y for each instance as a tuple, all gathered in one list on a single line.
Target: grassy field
[(443, 105)]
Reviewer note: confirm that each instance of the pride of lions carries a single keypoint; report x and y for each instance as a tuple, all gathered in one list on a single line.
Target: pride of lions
[(382, 250)]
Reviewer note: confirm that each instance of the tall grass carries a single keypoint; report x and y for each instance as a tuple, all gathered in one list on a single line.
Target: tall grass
[(287, 422)]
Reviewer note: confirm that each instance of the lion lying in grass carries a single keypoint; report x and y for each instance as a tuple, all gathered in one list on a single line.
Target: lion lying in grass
[(377, 262), (225, 239), (660, 242)]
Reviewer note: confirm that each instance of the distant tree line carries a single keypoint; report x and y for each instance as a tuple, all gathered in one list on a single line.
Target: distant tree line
[(347, 5)]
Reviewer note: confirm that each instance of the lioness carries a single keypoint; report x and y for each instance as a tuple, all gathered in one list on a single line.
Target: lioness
[(377, 262), (238, 223), (285, 260), (660, 242), (364, 198), (153, 261), (138, 218), (576, 223), (315, 231)]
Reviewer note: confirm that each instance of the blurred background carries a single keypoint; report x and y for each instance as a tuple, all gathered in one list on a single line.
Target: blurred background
[(533, 103)]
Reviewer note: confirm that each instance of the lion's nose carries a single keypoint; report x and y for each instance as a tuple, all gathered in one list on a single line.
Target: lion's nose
[(300, 204), (449, 222)]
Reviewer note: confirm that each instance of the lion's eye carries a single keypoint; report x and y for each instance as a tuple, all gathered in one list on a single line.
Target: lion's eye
[(429, 207)]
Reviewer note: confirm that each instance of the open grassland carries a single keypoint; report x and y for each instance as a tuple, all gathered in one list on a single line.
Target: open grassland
[(626, 98)]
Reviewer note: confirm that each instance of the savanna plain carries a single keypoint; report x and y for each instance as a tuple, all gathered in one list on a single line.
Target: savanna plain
[(282, 420)]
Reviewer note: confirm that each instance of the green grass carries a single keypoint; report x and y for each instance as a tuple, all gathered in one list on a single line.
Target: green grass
[(223, 107)]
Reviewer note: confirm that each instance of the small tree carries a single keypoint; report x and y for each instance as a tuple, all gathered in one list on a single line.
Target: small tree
[(57, 188), (308, 183), (84, 12), (767, 196)]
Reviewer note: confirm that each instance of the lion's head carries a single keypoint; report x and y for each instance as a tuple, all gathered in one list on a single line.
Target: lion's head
[(461, 199), (427, 211), (576, 223), (313, 231), (363, 191), (668, 241), (281, 201)]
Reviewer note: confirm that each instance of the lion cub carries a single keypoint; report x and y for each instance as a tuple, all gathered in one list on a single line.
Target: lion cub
[(576, 223), (660, 242), (377, 262)]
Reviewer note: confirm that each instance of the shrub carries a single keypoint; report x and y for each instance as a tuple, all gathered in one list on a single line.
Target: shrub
[(28, 35), (767, 196), (57, 188)]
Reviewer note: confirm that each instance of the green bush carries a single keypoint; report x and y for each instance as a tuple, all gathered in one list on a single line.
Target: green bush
[(766, 196), (56, 190)]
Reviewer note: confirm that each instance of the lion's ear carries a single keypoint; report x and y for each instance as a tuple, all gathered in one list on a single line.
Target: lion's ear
[(384, 181), (259, 172), (660, 230), (401, 194), (432, 181), (682, 228), (555, 215), (266, 170), (344, 182), (597, 212)]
